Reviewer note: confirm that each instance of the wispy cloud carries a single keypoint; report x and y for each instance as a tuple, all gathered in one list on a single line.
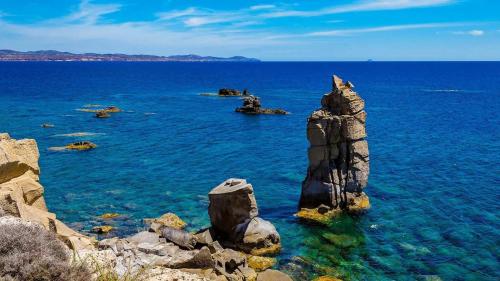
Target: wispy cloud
[(344, 32), (366, 5), (262, 7), (178, 14), (90, 13), (475, 32)]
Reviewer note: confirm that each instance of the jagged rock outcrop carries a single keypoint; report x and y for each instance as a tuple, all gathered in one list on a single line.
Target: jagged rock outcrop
[(338, 153), (252, 105), (21, 194), (225, 92), (234, 216)]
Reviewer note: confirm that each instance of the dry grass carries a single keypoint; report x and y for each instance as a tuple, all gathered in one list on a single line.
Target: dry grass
[(30, 253)]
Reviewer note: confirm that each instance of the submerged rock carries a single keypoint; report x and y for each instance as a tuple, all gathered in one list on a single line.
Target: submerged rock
[(229, 92), (81, 145), (252, 105), (273, 275), (47, 125), (109, 216), (338, 154), (233, 213)]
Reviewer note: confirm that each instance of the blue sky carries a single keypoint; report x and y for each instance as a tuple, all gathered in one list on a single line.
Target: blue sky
[(269, 30)]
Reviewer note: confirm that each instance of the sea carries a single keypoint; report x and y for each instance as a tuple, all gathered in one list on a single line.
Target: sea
[(433, 133)]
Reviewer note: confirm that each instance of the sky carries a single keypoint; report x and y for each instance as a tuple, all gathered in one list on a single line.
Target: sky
[(308, 30)]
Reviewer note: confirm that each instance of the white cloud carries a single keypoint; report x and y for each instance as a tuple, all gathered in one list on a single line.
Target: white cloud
[(474, 32), (366, 5), (262, 7)]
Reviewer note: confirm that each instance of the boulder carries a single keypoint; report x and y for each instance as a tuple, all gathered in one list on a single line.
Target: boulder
[(179, 237), (102, 229), (260, 263), (232, 205), (233, 212), (260, 238), (102, 114), (338, 155)]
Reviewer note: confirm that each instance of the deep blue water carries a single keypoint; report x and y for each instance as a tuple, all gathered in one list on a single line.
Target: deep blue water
[(433, 137)]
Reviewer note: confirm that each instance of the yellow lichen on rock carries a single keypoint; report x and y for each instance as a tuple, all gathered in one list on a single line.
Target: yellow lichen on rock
[(109, 216), (168, 219), (315, 216), (359, 203), (271, 250), (81, 145), (102, 229), (260, 263)]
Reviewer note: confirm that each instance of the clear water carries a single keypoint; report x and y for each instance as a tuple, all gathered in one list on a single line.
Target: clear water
[(434, 148)]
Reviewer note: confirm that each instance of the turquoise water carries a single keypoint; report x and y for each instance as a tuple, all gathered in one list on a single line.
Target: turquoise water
[(433, 135)]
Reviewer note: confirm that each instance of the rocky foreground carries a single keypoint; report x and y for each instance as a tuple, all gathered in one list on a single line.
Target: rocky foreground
[(236, 247)]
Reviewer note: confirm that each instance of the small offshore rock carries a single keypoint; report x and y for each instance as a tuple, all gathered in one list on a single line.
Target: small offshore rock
[(229, 92), (102, 114), (81, 145), (102, 229), (252, 105), (48, 125), (109, 216)]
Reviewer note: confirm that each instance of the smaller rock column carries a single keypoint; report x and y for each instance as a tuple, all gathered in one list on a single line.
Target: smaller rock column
[(234, 216)]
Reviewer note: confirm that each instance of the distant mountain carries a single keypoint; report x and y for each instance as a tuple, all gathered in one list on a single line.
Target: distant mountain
[(51, 55)]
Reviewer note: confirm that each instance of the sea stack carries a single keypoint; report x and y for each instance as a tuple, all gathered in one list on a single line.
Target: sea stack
[(338, 155)]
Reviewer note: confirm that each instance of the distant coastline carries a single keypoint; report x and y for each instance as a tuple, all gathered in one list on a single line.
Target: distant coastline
[(51, 55)]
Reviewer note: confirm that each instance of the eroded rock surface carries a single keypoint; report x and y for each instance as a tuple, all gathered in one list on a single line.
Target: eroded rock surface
[(234, 216), (21, 194), (338, 153)]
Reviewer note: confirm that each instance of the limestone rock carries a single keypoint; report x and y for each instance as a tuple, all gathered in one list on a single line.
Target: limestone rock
[(260, 263), (21, 194), (338, 154), (102, 114), (179, 237), (102, 229)]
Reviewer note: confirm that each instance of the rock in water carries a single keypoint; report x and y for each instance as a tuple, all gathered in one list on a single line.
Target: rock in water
[(81, 145), (338, 153), (252, 105), (229, 92), (233, 214)]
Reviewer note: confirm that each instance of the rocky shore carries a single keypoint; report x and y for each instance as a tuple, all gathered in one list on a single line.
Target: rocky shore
[(236, 247), (252, 105)]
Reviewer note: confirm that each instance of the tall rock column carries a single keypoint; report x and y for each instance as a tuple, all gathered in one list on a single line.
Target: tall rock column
[(338, 153)]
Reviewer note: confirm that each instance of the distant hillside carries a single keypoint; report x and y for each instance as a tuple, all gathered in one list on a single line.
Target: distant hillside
[(51, 55)]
